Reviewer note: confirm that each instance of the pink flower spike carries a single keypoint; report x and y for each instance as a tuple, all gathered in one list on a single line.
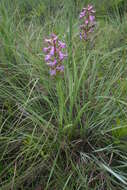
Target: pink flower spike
[(52, 72), (88, 22), (55, 54)]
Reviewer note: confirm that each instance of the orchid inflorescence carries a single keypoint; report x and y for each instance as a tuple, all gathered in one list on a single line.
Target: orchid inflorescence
[(88, 24), (54, 49), (54, 54)]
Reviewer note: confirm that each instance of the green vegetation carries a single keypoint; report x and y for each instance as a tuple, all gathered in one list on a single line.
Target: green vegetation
[(66, 133)]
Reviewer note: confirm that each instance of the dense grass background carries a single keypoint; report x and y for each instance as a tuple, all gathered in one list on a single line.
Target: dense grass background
[(67, 133)]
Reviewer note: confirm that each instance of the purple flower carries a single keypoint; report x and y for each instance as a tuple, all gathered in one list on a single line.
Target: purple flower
[(47, 57), (62, 44), (60, 68), (82, 14), (62, 56), (91, 18), (52, 51), (52, 72), (52, 63), (90, 7), (86, 21), (46, 49)]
